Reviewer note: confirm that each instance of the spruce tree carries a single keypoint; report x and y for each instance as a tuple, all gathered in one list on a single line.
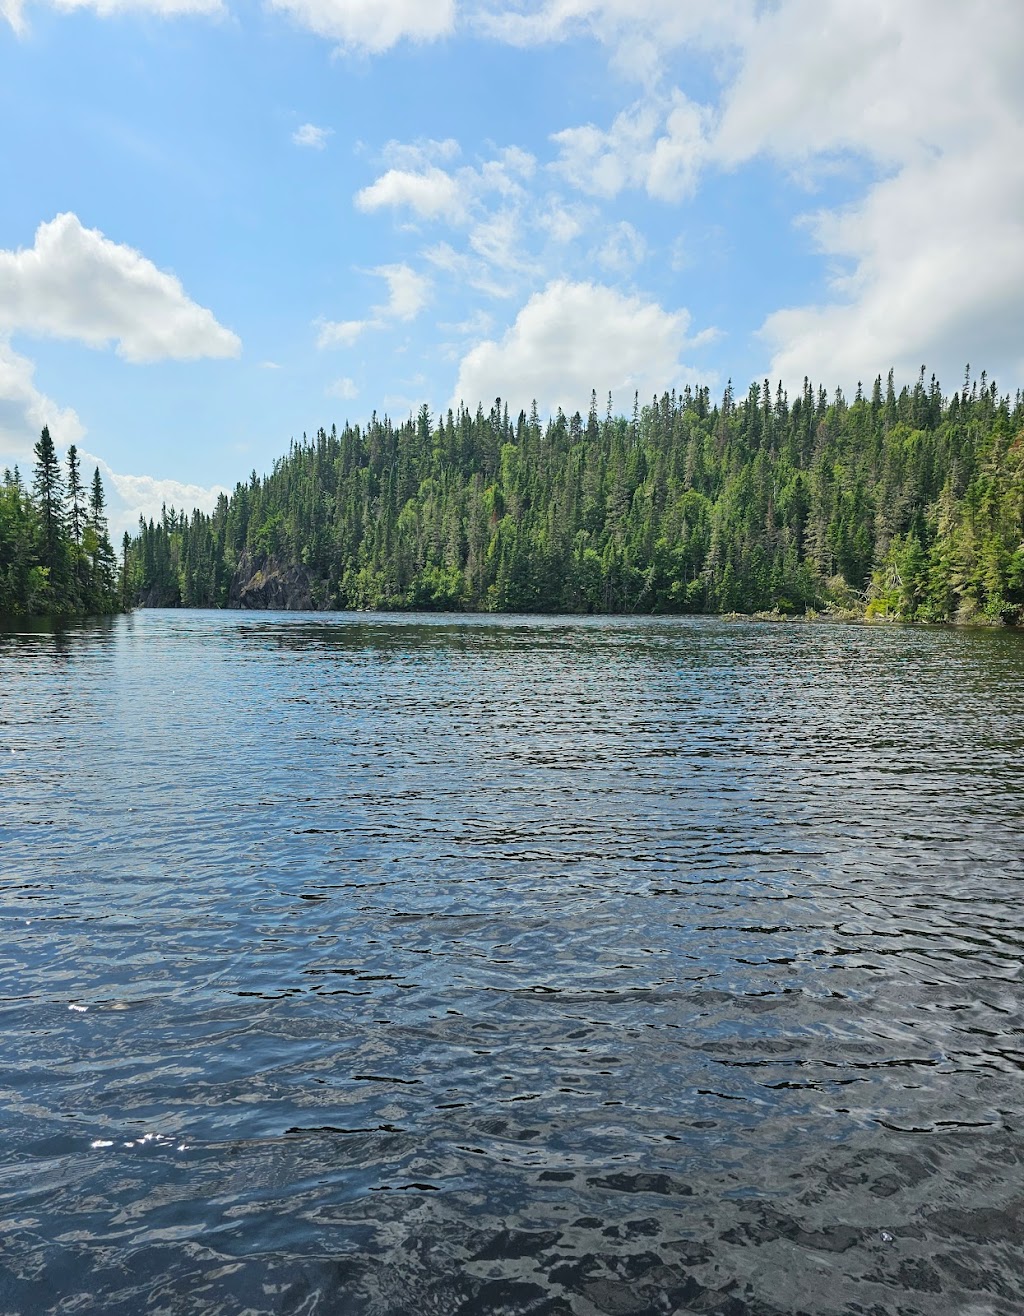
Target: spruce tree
[(49, 490)]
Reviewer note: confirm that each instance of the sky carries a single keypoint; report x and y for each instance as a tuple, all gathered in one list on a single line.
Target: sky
[(225, 223)]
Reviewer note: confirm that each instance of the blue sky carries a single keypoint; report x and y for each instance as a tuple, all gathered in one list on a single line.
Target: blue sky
[(224, 223)]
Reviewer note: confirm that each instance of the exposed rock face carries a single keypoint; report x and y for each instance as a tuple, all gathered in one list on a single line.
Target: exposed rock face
[(263, 582)]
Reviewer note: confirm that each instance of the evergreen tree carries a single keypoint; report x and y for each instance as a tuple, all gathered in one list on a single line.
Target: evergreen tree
[(897, 505), (49, 490)]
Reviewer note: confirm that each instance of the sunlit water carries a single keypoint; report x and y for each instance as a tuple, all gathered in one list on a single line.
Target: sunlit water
[(471, 965)]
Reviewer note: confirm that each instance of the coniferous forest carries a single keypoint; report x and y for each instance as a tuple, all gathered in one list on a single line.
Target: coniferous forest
[(56, 558), (907, 506), (902, 505)]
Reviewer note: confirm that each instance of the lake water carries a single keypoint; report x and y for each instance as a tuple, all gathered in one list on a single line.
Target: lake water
[(422, 965)]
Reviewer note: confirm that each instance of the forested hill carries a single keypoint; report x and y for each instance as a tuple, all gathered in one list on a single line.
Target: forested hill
[(906, 505)]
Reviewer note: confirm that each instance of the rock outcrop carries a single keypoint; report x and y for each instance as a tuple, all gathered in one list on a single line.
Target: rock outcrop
[(263, 582)]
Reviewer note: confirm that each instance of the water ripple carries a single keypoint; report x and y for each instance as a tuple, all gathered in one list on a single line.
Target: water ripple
[(476, 965)]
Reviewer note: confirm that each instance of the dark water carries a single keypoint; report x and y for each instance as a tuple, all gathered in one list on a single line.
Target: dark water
[(391, 965)]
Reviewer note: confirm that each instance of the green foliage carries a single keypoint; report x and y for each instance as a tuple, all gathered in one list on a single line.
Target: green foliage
[(51, 562), (903, 506)]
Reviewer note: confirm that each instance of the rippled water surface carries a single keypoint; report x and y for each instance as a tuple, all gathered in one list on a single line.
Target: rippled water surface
[(466, 965)]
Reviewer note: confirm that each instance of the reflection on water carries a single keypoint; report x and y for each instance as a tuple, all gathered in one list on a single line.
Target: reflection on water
[(473, 965)]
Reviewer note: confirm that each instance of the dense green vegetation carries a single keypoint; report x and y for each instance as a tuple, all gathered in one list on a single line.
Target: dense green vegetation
[(904, 505), (55, 552)]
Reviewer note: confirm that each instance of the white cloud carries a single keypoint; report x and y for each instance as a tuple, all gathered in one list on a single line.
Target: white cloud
[(343, 388), (884, 80), (431, 193), (312, 136), (75, 283), (372, 26), (132, 496), (13, 10), (603, 163), (562, 223), (24, 410), (623, 249), (497, 241), (408, 293), (342, 333), (660, 148), (929, 256), (419, 154), (573, 337), (638, 33), (937, 277), (469, 269), (478, 323), (416, 183), (491, 202)]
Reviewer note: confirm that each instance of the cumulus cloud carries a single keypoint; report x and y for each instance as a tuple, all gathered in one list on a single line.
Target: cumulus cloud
[(416, 183), (571, 338), (490, 203), (820, 76), (603, 162), (659, 148), (928, 255), (497, 241), (343, 388), (312, 136), (371, 26), (24, 410), (922, 288), (930, 258), (431, 193), (132, 496), (408, 293), (75, 283)]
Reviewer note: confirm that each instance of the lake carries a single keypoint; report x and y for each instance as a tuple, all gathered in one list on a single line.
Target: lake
[(458, 964)]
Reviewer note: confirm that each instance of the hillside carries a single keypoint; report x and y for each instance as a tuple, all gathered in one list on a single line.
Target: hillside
[(903, 505)]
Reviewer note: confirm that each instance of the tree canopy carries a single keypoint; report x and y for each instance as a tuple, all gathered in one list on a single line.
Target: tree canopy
[(55, 555), (897, 504)]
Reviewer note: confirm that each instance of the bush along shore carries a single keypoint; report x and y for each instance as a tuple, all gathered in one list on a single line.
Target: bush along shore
[(895, 505)]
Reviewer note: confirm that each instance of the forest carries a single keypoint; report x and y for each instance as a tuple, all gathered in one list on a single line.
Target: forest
[(901, 505), (896, 505), (56, 558)]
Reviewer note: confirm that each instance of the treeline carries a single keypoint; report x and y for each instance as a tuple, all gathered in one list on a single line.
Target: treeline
[(905, 505), (56, 558)]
